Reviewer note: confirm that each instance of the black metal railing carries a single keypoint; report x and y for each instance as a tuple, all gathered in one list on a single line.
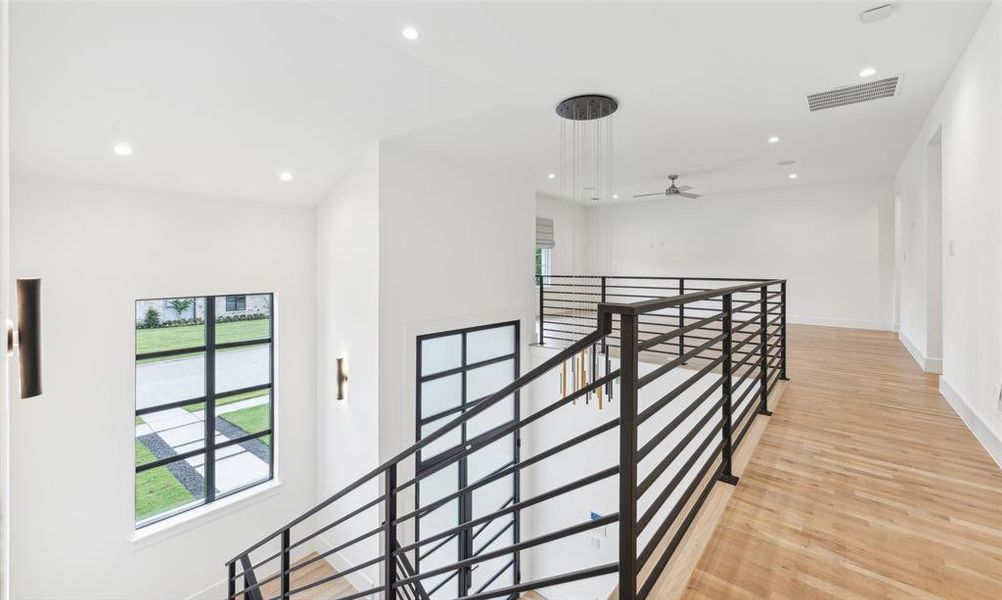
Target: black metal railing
[(692, 364)]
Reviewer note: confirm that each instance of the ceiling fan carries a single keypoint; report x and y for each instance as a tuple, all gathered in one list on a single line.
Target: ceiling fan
[(673, 190)]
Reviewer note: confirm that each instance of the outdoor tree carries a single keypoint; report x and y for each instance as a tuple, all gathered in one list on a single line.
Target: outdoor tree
[(180, 305), (152, 318)]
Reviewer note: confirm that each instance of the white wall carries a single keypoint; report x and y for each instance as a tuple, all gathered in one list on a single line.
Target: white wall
[(456, 249), (4, 299), (834, 243), (97, 250), (967, 113), (348, 326), (570, 221)]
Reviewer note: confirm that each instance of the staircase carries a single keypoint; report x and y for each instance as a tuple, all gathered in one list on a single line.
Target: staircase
[(680, 371)]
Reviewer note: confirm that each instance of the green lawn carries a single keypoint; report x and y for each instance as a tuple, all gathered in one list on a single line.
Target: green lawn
[(251, 420), (193, 336), (157, 491)]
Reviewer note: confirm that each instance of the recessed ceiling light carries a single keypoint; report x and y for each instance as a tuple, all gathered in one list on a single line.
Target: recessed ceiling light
[(792, 175), (774, 139), (615, 196), (551, 176), (867, 72), (786, 163), (409, 33), (285, 176), (123, 149)]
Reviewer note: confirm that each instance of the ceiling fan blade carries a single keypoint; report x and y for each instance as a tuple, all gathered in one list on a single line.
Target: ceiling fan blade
[(646, 195), (684, 188), (688, 195)]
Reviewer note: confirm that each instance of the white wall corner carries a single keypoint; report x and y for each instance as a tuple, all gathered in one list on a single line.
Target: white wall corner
[(991, 442), (929, 365)]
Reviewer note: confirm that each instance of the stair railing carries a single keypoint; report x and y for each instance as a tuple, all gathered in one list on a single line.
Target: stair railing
[(693, 370)]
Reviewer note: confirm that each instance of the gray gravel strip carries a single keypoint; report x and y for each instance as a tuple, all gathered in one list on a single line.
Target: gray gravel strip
[(181, 470)]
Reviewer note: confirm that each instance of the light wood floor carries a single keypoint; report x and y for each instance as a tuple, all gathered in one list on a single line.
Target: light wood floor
[(315, 571), (865, 484)]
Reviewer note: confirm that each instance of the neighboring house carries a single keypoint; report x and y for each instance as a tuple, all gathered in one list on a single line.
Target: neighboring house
[(229, 306)]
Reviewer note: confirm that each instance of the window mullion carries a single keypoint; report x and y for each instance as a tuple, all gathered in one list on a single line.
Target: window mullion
[(210, 398)]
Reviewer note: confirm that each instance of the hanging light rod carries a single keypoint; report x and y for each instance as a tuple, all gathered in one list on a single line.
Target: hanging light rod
[(587, 107)]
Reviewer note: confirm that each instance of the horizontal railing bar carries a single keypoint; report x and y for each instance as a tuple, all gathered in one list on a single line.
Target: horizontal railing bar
[(676, 391), (546, 582), (658, 372), (169, 459), (522, 464), (518, 547), (509, 525), (640, 308), (445, 541), (494, 578), (658, 503), (470, 367), (665, 431), (174, 352), (659, 567), (500, 432), (652, 545), (557, 491), (664, 337), (519, 383), (669, 458)]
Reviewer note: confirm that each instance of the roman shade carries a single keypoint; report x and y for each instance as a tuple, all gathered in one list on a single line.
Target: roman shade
[(544, 233)]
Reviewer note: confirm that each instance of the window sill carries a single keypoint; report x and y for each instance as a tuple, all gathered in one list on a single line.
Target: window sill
[(196, 517)]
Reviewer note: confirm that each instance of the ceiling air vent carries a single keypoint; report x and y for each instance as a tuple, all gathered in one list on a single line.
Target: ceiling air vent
[(854, 94)]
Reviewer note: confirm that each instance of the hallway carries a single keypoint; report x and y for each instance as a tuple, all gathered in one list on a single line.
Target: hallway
[(864, 484)]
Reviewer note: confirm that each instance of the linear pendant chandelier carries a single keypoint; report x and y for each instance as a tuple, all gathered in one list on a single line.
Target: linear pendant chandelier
[(586, 144)]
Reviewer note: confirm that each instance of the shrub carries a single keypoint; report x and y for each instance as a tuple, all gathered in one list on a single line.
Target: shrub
[(152, 318)]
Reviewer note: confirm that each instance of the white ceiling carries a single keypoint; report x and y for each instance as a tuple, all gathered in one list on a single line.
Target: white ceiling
[(217, 98)]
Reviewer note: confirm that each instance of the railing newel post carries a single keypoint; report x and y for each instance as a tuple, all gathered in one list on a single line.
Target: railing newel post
[(389, 542), (539, 278), (681, 318), (763, 407), (726, 473), (782, 321), (628, 457), (286, 563), (231, 581)]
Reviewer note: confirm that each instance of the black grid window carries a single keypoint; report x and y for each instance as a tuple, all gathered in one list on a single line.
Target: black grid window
[(204, 403), (235, 303), (456, 370)]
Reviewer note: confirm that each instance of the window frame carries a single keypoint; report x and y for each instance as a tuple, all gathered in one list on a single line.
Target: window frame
[(239, 303), (210, 445), (429, 464), (544, 262)]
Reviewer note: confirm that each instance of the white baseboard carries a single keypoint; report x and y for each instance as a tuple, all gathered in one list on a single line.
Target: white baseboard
[(980, 429), (850, 323), (929, 365)]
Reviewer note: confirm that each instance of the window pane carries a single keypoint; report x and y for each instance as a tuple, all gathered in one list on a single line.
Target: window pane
[(441, 354), (242, 367), (441, 394), (169, 324), (241, 465), (167, 488), (242, 318), (484, 381), (242, 414), (170, 432), (170, 379), (490, 343)]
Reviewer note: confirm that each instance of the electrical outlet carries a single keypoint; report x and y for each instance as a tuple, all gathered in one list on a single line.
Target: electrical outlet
[(950, 249)]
